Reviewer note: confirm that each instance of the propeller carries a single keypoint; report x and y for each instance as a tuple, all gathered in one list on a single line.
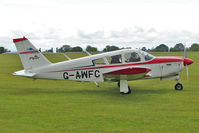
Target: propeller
[(185, 56)]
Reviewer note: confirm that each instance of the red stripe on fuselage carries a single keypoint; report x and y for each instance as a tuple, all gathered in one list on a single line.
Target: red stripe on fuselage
[(29, 52), (154, 61), (128, 71)]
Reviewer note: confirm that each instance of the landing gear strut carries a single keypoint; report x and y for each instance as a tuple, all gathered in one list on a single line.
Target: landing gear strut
[(124, 88), (178, 86)]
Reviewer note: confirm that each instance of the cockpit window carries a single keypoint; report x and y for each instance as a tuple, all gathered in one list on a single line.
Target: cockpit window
[(147, 56), (132, 57), (99, 61), (115, 59)]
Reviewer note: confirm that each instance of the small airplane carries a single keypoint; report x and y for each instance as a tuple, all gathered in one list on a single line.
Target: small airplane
[(117, 66)]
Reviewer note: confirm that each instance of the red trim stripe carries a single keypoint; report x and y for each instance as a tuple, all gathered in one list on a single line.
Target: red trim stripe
[(128, 71), (29, 52), (154, 61), (19, 39)]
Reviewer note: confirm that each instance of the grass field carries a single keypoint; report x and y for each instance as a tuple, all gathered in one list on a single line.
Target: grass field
[(50, 106)]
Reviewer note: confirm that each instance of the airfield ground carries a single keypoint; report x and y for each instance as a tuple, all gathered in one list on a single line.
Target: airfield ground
[(50, 106)]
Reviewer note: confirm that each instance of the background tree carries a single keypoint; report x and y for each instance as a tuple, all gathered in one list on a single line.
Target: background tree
[(177, 47), (143, 49), (194, 47), (91, 49), (161, 48), (3, 50), (76, 49), (49, 50), (57, 50), (110, 48), (64, 48)]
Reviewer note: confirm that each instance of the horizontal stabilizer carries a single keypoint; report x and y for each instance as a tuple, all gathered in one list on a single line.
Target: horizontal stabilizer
[(24, 73), (128, 71)]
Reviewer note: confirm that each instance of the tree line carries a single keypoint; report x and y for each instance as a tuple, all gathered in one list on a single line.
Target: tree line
[(68, 48), (159, 48), (178, 47), (3, 50)]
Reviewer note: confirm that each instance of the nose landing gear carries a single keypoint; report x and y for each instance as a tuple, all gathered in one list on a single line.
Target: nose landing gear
[(178, 86)]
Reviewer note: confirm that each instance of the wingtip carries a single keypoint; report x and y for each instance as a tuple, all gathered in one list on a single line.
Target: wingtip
[(19, 39)]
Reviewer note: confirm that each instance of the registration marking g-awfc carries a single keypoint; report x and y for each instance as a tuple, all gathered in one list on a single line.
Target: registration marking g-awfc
[(91, 74)]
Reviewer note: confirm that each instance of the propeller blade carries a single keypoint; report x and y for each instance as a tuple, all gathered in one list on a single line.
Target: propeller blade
[(185, 56), (187, 70), (185, 51)]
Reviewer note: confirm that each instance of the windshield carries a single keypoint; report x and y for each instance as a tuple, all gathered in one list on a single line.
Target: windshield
[(147, 56), (132, 57)]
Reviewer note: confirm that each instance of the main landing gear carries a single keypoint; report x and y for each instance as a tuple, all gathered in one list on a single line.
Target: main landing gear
[(124, 88)]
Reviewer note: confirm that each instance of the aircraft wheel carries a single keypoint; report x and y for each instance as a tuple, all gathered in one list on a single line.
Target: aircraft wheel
[(129, 91), (118, 83), (178, 86)]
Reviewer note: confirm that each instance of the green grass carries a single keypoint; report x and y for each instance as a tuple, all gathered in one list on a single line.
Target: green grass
[(51, 106)]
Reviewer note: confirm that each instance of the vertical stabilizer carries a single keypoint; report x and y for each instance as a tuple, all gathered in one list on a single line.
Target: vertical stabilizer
[(29, 55)]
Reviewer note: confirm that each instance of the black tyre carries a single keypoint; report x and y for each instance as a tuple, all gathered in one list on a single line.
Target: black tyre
[(118, 83), (178, 86), (129, 91)]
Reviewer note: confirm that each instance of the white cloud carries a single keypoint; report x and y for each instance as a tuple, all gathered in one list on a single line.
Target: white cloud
[(52, 23)]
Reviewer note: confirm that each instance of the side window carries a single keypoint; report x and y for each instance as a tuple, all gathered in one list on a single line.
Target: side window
[(115, 59), (99, 61), (132, 57)]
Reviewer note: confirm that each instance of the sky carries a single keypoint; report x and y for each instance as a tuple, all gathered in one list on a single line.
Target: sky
[(124, 23)]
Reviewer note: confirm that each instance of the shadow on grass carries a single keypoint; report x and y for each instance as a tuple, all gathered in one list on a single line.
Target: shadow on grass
[(148, 91), (112, 91)]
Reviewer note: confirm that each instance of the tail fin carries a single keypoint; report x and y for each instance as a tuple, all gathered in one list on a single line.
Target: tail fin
[(29, 55)]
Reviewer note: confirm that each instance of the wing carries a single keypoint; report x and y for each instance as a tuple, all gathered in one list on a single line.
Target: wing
[(127, 73)]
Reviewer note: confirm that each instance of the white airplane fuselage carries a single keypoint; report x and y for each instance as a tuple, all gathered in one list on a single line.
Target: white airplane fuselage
[(83, 69)]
